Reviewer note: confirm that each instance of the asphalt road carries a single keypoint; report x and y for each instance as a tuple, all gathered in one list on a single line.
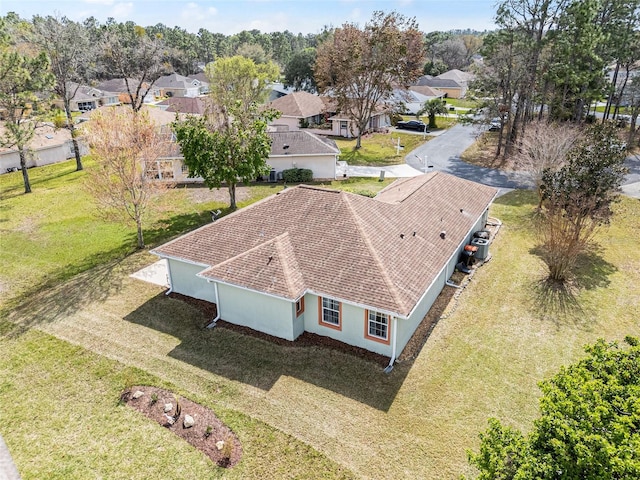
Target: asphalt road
[(442, 153)]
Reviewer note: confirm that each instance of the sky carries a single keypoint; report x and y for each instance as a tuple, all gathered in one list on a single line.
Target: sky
[(233, 16)]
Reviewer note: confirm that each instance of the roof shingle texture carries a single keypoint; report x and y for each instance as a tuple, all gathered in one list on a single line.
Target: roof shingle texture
[(299, 104), (382, 253)]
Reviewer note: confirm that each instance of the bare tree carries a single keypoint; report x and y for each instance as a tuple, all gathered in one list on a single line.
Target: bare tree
[(128, 149), (71, 55), (577, 198), (360, 68), (545, 147)]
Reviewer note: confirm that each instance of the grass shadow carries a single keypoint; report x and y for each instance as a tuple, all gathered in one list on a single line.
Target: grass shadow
[(53, 299), (44, 175), (261, 363)]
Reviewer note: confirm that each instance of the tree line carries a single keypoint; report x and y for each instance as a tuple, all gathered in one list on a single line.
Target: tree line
[(550, 59)]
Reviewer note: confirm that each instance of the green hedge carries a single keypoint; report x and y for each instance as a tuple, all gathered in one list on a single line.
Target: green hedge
[(297, 175)]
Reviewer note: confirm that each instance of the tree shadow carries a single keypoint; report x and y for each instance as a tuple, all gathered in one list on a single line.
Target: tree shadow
[(53, 300), (560, 300), (259, 362)]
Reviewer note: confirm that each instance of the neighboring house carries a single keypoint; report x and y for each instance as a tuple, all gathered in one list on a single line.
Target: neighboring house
[(119, 86), (344, 126), (88, 98), (204, 82), (47, 146), (189, 105), (303, 150), (277, 90), (299, 149), (449, 87), (175, 85), (364, 271), (413, 100), (318, 113), (298, 110)]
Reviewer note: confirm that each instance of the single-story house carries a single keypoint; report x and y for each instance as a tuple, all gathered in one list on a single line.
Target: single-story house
[(413, 100), (303, 150), (88, 98), (298, 110), (189, 105), (298, 149), (343, 125), (364, 271), (48, 145), (119, 86), (450, 87), (176, 85)]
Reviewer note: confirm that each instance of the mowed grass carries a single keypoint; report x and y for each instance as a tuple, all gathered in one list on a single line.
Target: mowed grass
[(338, 413), (379, 149), (62, 419), (54, 233)]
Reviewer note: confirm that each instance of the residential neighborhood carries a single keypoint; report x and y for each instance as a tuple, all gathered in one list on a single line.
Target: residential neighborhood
[(279, 240)]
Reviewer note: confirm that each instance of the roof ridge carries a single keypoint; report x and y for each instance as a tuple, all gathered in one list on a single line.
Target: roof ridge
[(317, 139), (247, 252), (285, 262), (374, 253)]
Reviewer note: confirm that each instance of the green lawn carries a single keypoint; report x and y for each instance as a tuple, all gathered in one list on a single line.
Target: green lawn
[(378, 149), (69, 347), (53, 233), (66, 351)]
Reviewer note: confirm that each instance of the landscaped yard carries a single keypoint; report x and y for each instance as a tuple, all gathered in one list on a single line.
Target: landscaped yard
[(67, 351), (378, 148)]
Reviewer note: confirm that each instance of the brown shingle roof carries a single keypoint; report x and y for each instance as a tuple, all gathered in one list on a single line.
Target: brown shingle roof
[(383, 252), (299, 104)]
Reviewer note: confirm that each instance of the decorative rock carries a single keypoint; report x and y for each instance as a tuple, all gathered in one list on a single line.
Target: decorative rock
[(220, 444), (168, 407), (188, 421), (137, 394)]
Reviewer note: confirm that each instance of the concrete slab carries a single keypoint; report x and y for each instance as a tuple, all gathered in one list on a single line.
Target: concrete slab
[(631, 190), (395, 171), (155, 273)]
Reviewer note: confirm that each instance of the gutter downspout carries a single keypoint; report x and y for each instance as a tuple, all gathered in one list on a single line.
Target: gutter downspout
[(169, 278), (389, 367), (213, 322)]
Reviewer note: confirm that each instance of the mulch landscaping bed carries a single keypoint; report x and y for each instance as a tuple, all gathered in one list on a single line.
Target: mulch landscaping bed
[(208, 434), (307, 339)]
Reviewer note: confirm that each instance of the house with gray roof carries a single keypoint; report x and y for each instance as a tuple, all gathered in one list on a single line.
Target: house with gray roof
[(176, 85), (363, 271), (298, 149)]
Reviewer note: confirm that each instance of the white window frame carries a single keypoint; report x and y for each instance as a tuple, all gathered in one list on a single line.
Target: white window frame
[(331, 309), (375, 322)]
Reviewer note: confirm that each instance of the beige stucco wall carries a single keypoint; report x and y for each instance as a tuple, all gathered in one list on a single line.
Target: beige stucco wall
[(270, 315), (322, 166), (43, 156)]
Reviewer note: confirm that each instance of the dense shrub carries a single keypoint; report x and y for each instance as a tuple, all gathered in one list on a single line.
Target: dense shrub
[(297, 175)]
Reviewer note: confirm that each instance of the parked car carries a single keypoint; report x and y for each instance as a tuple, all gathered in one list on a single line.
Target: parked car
[(413, 125), (495, 124)]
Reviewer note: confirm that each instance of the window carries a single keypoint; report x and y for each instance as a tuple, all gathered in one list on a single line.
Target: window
[(329, 312), (185, 169), (300, 307), (377, 326), (161, 170)]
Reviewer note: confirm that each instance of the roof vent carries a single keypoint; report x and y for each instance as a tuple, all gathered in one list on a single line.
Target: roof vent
[(443, 234), (402, 235)]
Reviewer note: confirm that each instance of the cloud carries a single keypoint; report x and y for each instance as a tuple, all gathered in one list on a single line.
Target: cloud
[(122, 11), (194, 16)]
